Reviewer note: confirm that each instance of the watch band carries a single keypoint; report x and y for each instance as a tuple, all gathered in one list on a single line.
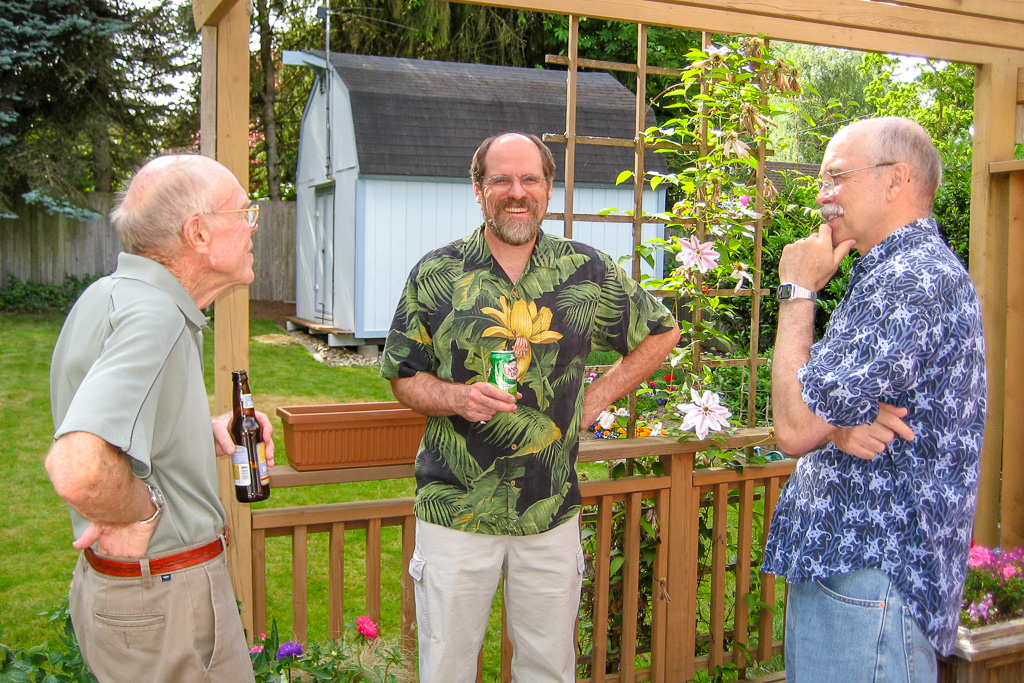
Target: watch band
[(788, 291), (157, 498)]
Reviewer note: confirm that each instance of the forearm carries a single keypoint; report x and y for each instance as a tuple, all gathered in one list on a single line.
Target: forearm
[(627, 373), (427, 394), (797, 429), (96, 479)]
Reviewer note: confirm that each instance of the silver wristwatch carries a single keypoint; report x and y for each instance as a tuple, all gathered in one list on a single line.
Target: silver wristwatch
[(787, 291), (157, 499)]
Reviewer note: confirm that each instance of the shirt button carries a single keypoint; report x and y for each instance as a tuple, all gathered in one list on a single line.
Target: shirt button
[(515, 294), (512, 483), (514, 446)]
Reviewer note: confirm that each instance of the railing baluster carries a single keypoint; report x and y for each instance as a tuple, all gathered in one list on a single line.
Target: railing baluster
[(744, 539), (299, 578), (336, 581), (373, 569), (259, 582), (631, 585), (765, 631), (601, 584), (659, 591), (719, 548), (408, 589)]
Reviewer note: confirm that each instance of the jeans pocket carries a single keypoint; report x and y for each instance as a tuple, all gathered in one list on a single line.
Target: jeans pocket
[(416, 566)]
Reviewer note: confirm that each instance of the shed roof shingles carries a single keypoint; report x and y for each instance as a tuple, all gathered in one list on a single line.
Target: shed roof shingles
[(425, 118)]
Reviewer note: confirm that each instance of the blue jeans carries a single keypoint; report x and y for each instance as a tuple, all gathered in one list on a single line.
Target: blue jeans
[(854, 628)]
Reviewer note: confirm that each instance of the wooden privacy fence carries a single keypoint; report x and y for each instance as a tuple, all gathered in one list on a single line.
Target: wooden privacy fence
[(674, 558), (42, 247)]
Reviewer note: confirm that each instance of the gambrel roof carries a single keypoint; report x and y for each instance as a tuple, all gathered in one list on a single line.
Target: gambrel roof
[(416, 117)]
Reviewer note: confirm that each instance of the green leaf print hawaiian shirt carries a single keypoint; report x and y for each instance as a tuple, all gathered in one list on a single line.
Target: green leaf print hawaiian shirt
[(516, 473)]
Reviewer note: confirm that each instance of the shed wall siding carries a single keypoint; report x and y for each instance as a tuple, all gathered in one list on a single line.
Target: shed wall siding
[(401, 220)]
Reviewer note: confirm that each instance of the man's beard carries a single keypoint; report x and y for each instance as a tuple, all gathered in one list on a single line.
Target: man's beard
[(510, 230)]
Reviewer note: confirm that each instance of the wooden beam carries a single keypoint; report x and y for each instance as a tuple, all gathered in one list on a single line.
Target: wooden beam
[(1011, 507), (995, 94), (888, 17), (852, 32), (224, 115), (210, 12), (1008, 9)]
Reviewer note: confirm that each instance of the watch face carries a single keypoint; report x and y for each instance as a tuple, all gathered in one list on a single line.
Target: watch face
[(784, 292)]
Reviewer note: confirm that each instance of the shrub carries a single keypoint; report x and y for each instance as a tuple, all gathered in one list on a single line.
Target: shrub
[(32, 297)]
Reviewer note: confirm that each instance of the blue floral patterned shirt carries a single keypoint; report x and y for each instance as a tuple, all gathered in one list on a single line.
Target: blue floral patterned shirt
[(908, 332)]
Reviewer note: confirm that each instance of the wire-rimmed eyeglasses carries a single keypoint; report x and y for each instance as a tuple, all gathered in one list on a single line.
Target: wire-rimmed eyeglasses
[(829, 186), (252, 213), (503, 183)]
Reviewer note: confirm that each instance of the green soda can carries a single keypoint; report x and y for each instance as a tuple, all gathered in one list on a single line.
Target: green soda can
[(504, 372)]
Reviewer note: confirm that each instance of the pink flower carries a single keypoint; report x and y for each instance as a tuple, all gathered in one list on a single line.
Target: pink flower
[(1008, 571), (704, 414), (366, 628), (745, 199), (979, 555), (255, 648), (694, 254)]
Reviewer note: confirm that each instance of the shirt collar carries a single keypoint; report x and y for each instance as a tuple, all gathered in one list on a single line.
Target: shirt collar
[(909, 235), (135, 267), (478, 254)]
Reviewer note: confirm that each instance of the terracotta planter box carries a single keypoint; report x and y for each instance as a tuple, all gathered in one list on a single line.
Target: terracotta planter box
[(320, 437), (987, 654)]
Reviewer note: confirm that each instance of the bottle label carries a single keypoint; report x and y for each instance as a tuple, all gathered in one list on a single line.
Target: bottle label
[(261, 450), (247, 401), (240, 466)]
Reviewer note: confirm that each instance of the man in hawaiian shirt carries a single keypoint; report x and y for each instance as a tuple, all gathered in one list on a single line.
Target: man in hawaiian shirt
[(872, 530), (496, 487)]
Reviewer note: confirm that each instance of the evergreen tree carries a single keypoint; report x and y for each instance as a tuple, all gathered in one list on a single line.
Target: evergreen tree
[(80, 89)]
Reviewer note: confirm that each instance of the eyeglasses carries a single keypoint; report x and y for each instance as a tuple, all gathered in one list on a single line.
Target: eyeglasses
[(503, 183), (252, 213), (829, 186)]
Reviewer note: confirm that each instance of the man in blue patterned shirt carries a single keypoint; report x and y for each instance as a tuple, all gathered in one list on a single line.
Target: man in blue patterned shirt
[(872, 530)]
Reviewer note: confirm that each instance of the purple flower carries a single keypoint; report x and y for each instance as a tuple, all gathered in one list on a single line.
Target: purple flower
[(289, 648)]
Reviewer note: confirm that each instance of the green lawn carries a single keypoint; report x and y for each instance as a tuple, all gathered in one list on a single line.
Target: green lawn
[(37, 557)]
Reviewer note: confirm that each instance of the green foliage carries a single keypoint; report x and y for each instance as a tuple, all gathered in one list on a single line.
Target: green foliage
[(350, 660), (44, 663), (833, 94), (31, 297), (994, 590), (84, 92)]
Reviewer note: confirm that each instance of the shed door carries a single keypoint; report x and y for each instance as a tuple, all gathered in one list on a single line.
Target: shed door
[(323, 278)]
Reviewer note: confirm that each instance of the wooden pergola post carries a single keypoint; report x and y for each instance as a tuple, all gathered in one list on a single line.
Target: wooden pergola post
[(224, 29)]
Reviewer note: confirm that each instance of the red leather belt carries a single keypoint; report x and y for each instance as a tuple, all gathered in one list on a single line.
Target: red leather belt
[(157, 565)]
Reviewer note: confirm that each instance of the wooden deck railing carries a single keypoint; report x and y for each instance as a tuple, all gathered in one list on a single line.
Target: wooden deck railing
[(691, 612)]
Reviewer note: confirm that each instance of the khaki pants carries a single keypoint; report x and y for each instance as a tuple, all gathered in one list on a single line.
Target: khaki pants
[(183, 628), (456, 574)]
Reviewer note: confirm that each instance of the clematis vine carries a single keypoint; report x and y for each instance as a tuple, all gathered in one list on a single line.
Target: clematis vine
[(704, 414), (694, 254)]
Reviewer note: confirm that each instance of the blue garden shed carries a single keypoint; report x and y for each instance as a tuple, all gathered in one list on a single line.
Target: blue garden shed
[(383, 172)]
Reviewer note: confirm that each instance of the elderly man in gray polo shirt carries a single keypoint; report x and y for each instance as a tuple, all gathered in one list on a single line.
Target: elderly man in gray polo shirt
[(151, 599)]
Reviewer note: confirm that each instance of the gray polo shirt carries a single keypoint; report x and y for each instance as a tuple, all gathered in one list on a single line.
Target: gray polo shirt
[(128, 368)]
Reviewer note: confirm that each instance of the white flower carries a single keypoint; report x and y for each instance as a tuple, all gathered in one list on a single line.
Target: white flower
[(704, 414), (741, 274), (693, 254), (656, 428), (606, 419)]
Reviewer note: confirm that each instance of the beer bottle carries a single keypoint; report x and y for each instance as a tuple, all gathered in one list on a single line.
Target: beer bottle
[(249, 462)]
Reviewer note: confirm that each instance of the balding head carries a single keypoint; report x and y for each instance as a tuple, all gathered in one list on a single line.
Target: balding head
[(162, 196), (894, 138)]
